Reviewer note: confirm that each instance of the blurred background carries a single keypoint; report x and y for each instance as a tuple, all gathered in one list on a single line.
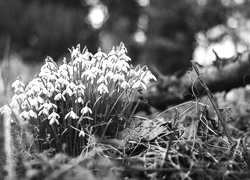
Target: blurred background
[(164, 34)]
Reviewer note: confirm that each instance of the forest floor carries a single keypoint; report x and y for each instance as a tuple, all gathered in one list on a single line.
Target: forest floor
[(186, 141)]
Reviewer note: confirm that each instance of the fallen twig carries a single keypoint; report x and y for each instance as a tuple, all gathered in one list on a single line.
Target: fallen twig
[(214, 103)]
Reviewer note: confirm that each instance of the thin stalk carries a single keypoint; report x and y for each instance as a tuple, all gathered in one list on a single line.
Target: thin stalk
[(115, 104), (214, 103)]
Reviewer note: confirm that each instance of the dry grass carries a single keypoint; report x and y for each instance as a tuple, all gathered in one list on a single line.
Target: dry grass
[(184, 142)]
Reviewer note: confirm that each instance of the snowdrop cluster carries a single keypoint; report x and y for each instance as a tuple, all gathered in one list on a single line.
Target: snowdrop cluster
[(88, 94)]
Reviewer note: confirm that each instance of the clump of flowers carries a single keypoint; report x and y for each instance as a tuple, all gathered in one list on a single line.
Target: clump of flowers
[(88, 95)]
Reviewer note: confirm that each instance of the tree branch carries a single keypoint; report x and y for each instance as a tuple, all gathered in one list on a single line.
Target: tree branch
[(170, 90)]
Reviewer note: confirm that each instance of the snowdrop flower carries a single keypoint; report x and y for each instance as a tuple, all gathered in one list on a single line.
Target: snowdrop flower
[(112, 52), (105, 64), (139, 84), (87, 55), (53, 118), (121, 52), (19, 97), (45, 68), (34, 87), (25, 115), (45, 73), (124, 69), (147, 77), (65, 70), (30, 92), (48, 105), (69, 89), (86, 73), (112, 59), (58, 87), (122, 49), (49, 64), (5, 110), (99, 55), (118, 77), (14, 97), (50, 88), (77, 60), (52, 77), (40, 99), (102, 80), (64, 74), (89, 75), (71, 114), (35, 82), (33, 102), (59, 96), (125, 57), (125, 85), (17, 83), (79, 88), (86, 64), (96, 70), (72, 85), (43, 111), (61, 82), (75, 51), (48, 137), (45, 92), (109, 75), (86, 110), (121, 63), (82, 133), (32, 113), (79, 100), (132, 73), (25, 104), (45, 108), (19, 90), (64, 66), (102, 88)]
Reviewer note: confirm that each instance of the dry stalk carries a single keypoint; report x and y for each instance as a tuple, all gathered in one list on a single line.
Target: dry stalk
[(214, 103)]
